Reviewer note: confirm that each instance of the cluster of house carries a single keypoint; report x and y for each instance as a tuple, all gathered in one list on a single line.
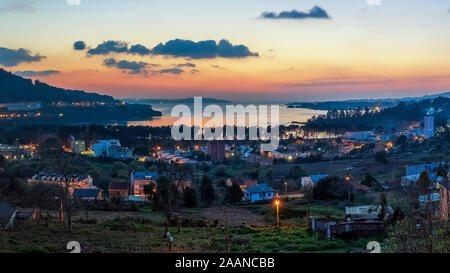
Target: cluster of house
[(135, 189), (102, 148), (175, 157), (19, 152), (439, 196), (79, 186)]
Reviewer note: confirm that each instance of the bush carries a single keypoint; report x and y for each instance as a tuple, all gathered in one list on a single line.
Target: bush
[(381, 157), (190, 198), (331, 188)]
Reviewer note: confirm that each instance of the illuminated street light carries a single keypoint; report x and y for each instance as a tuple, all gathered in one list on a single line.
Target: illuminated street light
[(277, 204), (347, 178)]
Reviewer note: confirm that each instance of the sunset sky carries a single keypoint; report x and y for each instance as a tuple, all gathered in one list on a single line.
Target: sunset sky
[(250, 50)]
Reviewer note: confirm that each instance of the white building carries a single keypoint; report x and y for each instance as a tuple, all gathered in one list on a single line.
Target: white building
[(429, 126), (119, 153), (101, 148)]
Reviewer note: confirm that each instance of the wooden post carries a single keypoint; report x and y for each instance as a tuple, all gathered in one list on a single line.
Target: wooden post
[(61, 212)]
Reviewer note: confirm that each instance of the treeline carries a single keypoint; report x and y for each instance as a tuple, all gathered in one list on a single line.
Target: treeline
[(18, 89)]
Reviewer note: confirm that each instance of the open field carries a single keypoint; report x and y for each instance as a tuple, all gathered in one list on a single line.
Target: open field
[(250, 230), (129, 236)]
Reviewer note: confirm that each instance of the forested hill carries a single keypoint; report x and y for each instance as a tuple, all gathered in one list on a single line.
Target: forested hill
[(399, 116), (355, 104), (17, 89)]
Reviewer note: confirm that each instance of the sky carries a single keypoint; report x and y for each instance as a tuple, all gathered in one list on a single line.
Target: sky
[(242, 50)]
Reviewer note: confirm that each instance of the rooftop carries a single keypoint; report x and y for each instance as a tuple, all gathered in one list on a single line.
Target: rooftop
[(145, 175), (86, 192), (259, 188), (59, 177), (316, 177)]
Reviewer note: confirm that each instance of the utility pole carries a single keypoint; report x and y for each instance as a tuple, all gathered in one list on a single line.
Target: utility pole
[(61, 212), (349, 193), (277, 204)]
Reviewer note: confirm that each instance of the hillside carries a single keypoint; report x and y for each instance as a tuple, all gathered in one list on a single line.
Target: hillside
[(354, 104), (17, 89), (399, 116)]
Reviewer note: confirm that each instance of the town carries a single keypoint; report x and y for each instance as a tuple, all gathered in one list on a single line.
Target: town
[(237, 136), (347, 190)]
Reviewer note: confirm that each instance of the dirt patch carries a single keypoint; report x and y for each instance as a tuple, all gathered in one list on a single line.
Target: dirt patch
[(236, 216)]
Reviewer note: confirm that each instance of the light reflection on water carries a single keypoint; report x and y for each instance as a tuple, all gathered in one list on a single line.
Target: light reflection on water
[(287, 115)]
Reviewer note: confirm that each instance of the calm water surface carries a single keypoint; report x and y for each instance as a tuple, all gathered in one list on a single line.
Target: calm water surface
[(287, 115)]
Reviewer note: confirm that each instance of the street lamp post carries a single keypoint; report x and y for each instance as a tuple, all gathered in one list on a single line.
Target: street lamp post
[(277, 203), (347, 178)]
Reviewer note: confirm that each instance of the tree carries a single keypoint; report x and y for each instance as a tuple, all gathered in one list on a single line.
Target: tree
[(425, 184), (369, 180), (330, 188), (50, 144), (307, 191), (221, 171), (2, 163), (401, 140), (234, 194), (150, 190), (296, 172), (166, 196), (381, 157), (383, 204), (441, 171), (43, 197), (190, 198), (207, 191), (68, 164)]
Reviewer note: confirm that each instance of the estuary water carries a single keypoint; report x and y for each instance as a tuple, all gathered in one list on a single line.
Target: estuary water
[(287, 116)]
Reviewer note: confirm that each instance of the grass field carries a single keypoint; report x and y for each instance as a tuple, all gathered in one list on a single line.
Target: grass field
[(142, 232), (129, 236)]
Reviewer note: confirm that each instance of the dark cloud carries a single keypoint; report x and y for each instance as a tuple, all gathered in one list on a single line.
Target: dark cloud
[(79, 45), (315, 13), (186, 65), (175, 48), (216, 66), (23, 6), (194, 71), (140, 50), (175, 71), (109, 47), (130, 66), (30, 73), (13, 57), (202, 50)]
